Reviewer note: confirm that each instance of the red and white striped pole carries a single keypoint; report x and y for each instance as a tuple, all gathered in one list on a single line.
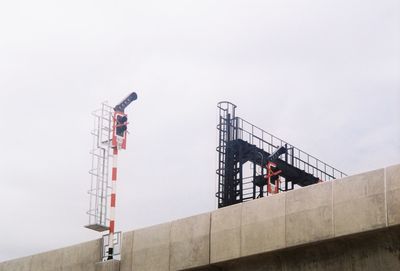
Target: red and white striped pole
[(118, 142), (113, 200)]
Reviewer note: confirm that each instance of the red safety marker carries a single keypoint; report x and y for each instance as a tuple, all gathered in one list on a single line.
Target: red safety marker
[(271, 173)]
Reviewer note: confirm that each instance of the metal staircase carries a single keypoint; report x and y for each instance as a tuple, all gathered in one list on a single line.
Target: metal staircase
[(244, 150)]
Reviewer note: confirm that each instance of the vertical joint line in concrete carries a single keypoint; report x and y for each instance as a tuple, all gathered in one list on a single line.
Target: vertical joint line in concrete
[(241, 229), (332, 204), (209, 240), (285, 214), (385, 196), (169, 245), (132, 256)]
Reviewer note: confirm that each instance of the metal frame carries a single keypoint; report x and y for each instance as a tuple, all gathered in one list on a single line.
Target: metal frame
[(117, 246), (243, 153), (100, 189)]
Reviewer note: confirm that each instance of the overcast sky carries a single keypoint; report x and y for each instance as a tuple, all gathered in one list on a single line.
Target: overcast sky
[(322, 75)]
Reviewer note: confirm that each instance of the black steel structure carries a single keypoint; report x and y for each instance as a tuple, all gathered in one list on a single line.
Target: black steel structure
[(244, 150)]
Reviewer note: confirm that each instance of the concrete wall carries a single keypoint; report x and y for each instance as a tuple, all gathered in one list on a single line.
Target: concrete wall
[(359, 204), (372, 251), (347, 224), (81, 257)]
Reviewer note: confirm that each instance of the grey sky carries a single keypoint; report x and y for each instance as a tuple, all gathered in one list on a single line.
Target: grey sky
[(323, 75)]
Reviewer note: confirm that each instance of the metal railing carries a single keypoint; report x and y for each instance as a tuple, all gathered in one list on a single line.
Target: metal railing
[(296, 157)]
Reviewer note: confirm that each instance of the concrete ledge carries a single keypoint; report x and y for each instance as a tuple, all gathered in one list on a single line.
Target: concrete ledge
[(82, 257), (359, 203), (190, 242), (393, 194), (48, 261), (151, 248), (309, 214), (263, 225), (22, 264), (225, 233)]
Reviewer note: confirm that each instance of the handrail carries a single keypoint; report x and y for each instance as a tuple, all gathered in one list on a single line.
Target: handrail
[(296, 154)]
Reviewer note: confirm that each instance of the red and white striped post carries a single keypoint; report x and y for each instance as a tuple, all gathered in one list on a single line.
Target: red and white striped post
[(118, 142), (113, 200)]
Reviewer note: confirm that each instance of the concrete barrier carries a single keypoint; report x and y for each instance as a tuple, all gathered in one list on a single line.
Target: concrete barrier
[(359, 203), (126, 251), (352, 223), (352, 205), (48, 261), (309, 214), (190, 242), (263, 225), (225, 233), (151, 248), (111, 265), (81, 257), (392, 189), (369, 251), (21, 264)]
